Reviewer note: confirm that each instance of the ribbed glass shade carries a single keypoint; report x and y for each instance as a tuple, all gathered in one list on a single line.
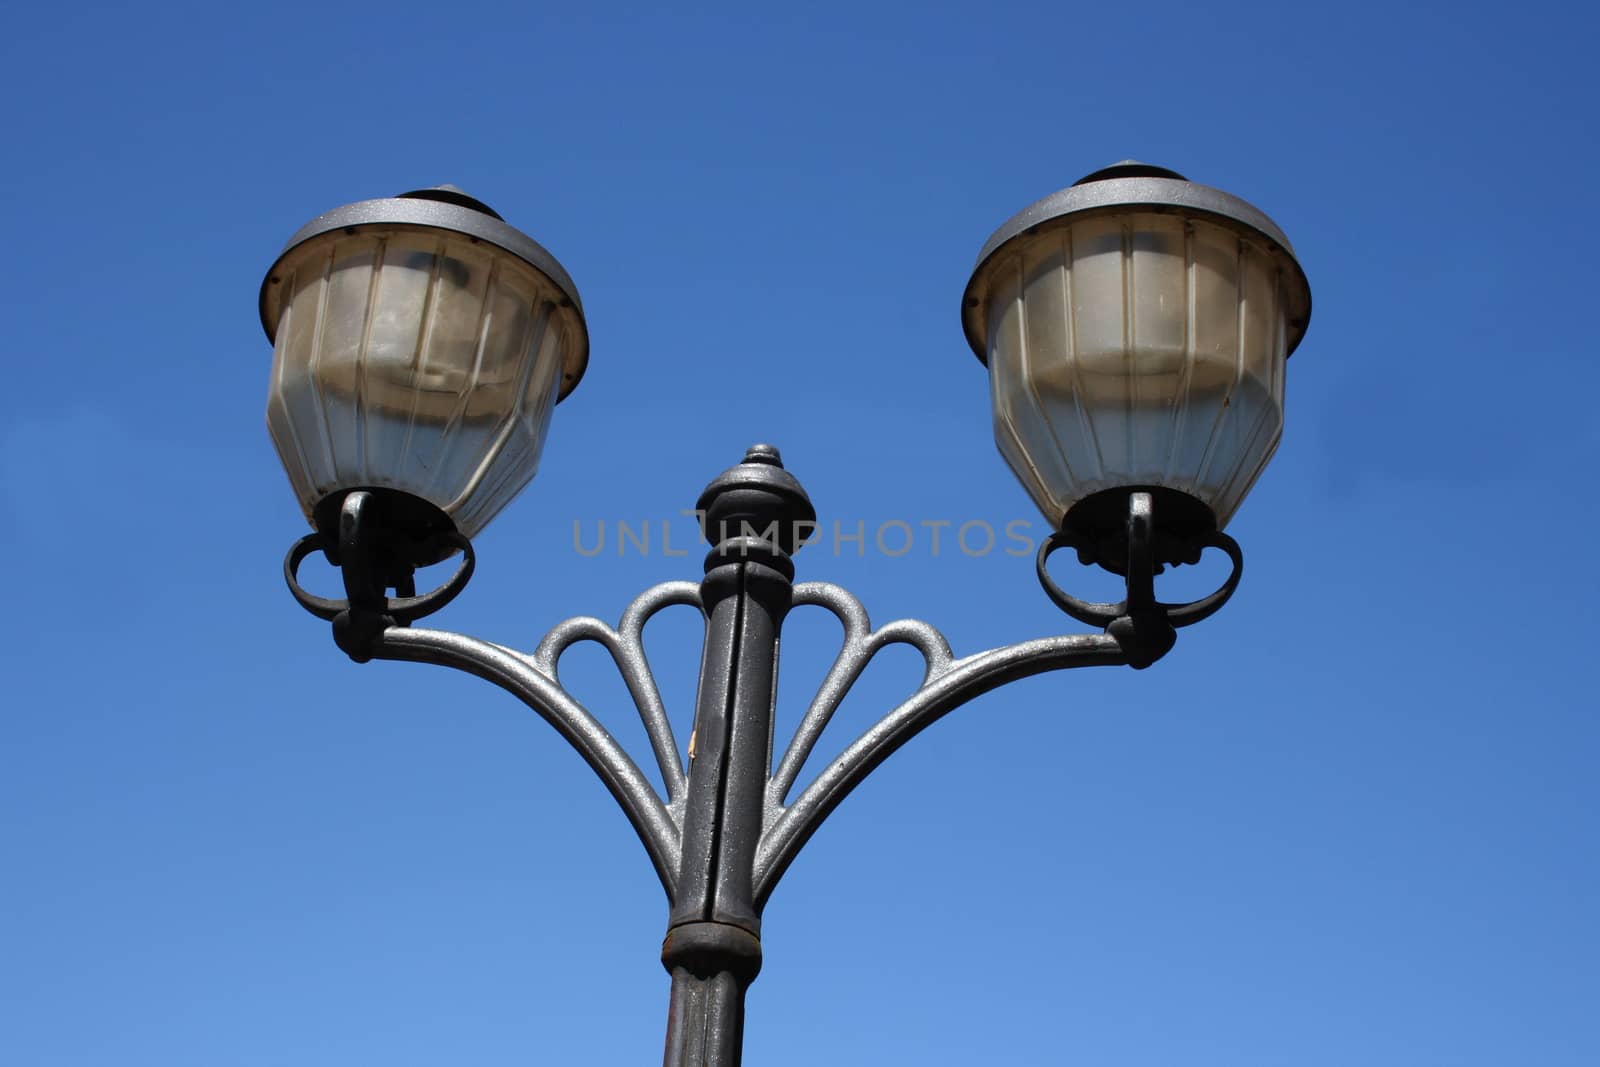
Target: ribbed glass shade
[(414, 359), (1137, 348)]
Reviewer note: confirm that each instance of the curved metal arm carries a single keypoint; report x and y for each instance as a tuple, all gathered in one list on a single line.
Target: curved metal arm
[(943, 692), (522, 679), (1139, 630)]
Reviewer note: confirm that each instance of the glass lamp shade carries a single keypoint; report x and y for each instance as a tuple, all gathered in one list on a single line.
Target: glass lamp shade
[(413, 356), (1136, 330)]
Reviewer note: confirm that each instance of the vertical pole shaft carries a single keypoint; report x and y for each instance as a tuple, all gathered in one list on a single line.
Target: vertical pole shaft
[(755, 516)]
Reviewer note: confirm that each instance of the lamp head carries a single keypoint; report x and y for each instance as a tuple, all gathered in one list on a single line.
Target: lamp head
[(1136, 325), (420, 345)]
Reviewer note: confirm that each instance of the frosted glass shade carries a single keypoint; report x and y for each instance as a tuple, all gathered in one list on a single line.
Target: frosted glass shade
[(417, 359), (1136, 327)]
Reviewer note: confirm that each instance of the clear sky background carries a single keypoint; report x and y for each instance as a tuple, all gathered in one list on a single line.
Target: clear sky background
[(1350, 820)]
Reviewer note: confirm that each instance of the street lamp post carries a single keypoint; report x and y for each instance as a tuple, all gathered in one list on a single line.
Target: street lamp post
[(1135, 327)]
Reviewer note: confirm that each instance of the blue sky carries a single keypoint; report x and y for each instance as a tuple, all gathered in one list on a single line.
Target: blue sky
[(1349, 820)]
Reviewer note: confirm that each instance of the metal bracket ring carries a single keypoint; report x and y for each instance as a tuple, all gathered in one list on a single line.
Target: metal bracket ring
[(402, 609), (1103, 614)]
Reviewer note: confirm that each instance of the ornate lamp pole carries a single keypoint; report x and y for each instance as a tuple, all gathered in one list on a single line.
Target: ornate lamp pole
[(1135, 326)]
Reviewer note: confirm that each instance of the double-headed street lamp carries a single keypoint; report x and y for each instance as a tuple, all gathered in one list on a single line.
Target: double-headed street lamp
[(1135, 327)]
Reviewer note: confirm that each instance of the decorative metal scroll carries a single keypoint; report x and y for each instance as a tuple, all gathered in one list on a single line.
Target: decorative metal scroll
[(375, 556), (947, 684)]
